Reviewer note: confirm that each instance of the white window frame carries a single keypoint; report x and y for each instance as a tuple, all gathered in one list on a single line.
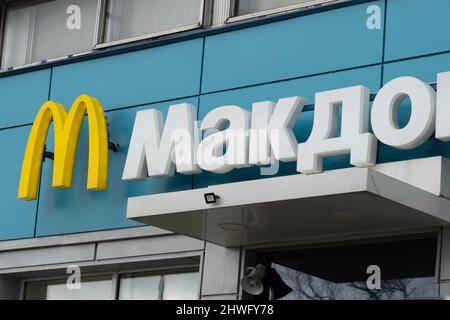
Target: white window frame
[(116, 276), (212, 13), (101, 33), (301, 6)]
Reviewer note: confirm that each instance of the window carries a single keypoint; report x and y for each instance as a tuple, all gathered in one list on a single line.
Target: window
[(92, 288), (136, 18), (148, 286), (168, 285), (34, 31), (40, 30), (246, 7), (406, 271)]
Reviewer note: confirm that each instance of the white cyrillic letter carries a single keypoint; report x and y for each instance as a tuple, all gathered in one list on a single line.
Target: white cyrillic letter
[(443, 107), (211, 153), (271, 134), (385, 113), (354, 138), (156, 149)]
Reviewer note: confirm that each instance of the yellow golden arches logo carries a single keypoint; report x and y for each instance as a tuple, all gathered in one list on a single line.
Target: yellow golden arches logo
[(67, 128)]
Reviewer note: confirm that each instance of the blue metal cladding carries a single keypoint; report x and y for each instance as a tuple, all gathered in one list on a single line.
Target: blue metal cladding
[(135, 78), (298, 56), (424, 68), (21, 96), (17, 218), (416, 27), (329, 41)]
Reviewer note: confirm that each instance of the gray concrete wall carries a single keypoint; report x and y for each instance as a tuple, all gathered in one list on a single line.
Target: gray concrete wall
[(136, 248), (221, 272), (107, 251)]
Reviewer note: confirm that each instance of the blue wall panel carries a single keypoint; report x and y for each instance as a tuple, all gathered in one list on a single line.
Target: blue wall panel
[(21, 96), (306, 87), (302, 46), (80, 210), (425, 68), (131, 79), (17, 217), (416, 27)]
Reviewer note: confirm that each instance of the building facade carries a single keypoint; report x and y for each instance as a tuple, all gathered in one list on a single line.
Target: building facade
[(373, 229)]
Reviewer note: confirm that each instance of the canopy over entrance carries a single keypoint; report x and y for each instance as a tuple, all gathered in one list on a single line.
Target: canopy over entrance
[(387, 197)]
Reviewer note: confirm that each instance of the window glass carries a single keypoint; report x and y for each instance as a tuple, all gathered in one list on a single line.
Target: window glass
[(92, 288), (131, 286), (181, 286), (308, 287), (151, 286), (134, 18), (253, 6), (48, 29), (140, 287), (406, 270)]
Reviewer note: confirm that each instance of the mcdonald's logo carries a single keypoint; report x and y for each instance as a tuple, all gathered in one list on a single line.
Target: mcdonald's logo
[(67, 128)]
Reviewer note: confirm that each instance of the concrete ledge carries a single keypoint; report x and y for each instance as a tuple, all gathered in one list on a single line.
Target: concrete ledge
[(147, 246), (79, 238), (354, 200), (46, 256)]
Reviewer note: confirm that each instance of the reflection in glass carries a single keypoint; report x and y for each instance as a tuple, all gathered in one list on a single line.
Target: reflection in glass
[(96, 288), (308, 287), (405, 270), (134, 18), (135, 287), (151, 286), (40, 31), (183, 286)]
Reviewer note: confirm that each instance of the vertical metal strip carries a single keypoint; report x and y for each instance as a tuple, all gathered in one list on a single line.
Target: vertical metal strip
[(100, 22), (115, 286), (2, 29)]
